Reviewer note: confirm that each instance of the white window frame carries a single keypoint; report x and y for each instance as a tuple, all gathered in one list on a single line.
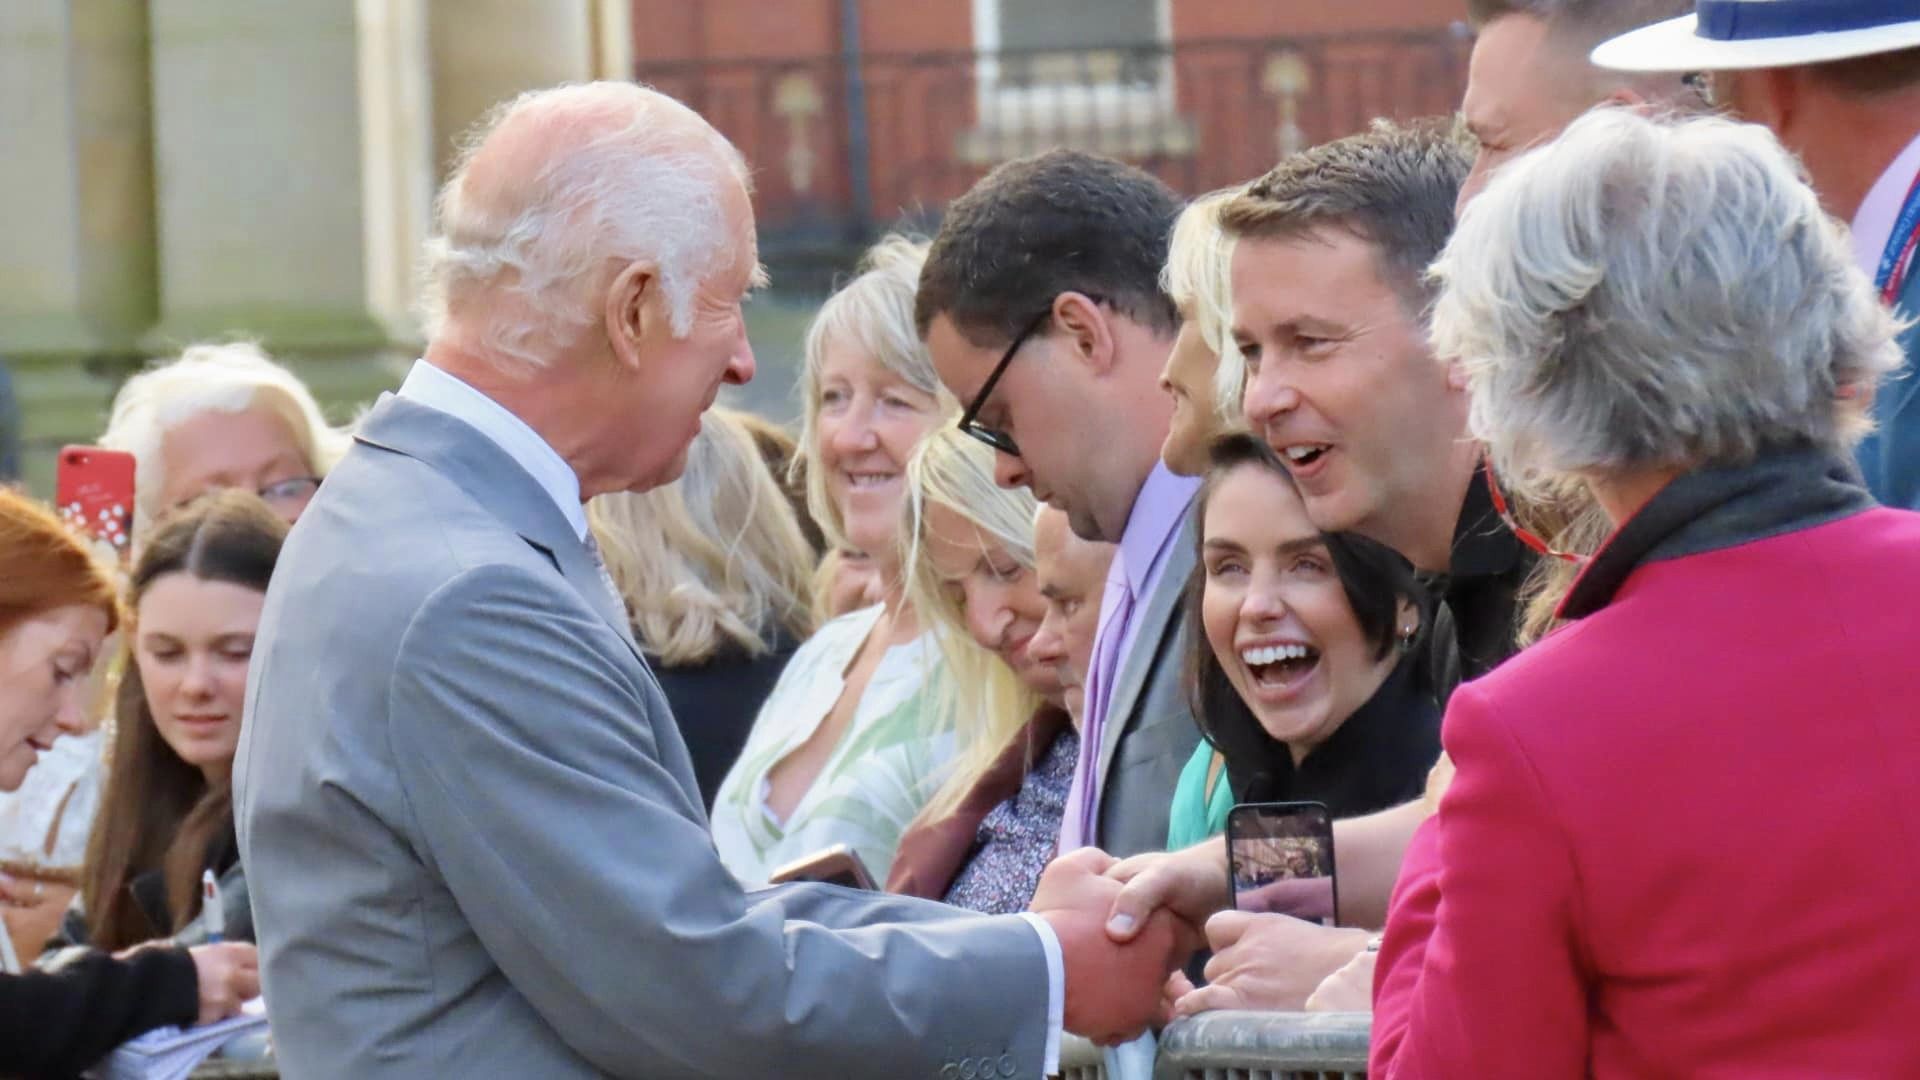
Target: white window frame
[(1060, 104)]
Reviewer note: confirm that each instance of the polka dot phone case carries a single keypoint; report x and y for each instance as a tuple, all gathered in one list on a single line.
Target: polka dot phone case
[(95, 495)]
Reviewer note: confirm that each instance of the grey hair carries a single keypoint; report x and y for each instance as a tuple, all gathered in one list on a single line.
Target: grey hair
[(232, 377), (1656, 293), (872, 314), (639, 177), (1198, 277)]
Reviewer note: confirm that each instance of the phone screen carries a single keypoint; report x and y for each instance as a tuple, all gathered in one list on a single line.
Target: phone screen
[(1280, 860)]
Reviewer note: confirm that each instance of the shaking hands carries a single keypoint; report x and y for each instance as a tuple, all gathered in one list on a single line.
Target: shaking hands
[(1127, 926), (1114, 986)]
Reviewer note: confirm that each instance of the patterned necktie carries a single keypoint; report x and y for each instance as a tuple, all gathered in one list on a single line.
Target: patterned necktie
[(606, 579)]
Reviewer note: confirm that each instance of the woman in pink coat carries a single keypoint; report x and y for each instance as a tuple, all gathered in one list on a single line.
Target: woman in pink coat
[(1684, 834)]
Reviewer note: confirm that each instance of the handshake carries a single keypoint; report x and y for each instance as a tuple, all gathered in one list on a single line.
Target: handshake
[(1126, 927)]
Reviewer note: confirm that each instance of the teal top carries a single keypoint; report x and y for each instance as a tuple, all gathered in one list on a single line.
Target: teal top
[(1197, 812)]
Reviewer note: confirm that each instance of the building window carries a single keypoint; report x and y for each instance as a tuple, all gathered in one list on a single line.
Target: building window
[(1092, 74)]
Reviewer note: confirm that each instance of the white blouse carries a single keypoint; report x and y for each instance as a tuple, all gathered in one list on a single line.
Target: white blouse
[(891, 759)]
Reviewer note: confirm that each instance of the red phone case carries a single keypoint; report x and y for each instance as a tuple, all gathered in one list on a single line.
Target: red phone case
[(95, 493)]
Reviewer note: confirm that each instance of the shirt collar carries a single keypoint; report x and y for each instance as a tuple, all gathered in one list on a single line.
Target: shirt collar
[(437, 389), (1873, 222), (1154, 520)]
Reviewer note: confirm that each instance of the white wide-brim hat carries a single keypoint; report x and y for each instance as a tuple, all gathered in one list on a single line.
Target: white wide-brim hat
[(1733, 35)]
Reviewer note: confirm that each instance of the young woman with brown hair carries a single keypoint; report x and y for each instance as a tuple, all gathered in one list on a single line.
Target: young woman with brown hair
[(166, 815)]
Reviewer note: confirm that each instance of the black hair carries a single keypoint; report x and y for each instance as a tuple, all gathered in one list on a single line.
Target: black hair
[(1376, 579), (1062, 221)]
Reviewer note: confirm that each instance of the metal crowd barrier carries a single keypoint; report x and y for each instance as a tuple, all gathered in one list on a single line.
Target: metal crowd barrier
[(1245, 1046), (1212, 1046)]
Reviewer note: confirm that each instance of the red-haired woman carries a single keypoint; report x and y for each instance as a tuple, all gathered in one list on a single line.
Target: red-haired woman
[(56, 607)]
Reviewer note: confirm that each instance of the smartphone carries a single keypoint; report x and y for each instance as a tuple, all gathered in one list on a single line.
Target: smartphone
[(94, 491), (1280, 860), (837, 865)]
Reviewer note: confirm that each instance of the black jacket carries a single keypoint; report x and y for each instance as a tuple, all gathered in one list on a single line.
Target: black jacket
[(57, 1023)]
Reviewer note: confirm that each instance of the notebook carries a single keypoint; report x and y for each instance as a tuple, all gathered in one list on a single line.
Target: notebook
[(172, 1053)]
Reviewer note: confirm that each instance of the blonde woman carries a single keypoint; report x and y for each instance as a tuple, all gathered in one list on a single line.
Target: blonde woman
[(713, 569), (1205, 376), (1205, 373), (851, 744), (982, 841)]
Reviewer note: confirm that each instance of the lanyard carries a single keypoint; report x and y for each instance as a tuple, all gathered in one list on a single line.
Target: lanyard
[(1897, 261)]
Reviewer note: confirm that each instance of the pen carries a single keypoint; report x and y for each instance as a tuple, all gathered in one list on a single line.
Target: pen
[(212, 916)]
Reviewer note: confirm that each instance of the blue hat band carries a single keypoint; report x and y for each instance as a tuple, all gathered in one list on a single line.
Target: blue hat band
[(1745, 20)]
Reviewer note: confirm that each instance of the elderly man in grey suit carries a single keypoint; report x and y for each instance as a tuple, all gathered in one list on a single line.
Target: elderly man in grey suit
[(473, 835), (1041, 304)]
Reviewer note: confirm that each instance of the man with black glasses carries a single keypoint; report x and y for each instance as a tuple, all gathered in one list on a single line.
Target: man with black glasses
[(1041, 304)]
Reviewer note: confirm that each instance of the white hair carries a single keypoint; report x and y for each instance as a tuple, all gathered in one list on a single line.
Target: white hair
[(1656, 293), (208, 378), (873, 314), (1198, 277), (619, 171)]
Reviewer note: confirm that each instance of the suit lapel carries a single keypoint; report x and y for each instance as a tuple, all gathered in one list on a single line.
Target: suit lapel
[(1139, 662), (494, 480)]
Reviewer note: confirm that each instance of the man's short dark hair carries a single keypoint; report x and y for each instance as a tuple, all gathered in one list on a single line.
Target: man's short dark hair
[(1392, 185), (1581, 24), (1062, 221)]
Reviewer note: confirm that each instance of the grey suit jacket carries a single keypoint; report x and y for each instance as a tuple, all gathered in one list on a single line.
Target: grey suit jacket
[(1141, 758), (475, 843)]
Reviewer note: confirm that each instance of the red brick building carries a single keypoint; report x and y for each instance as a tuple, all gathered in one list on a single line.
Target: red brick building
[(856, 113)]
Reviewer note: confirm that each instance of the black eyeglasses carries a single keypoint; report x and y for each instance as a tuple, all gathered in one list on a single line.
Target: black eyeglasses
[(970, 419)]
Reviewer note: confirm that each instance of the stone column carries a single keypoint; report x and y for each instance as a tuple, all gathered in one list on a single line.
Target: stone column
[(269, 224), (486, 51), (76, 193)]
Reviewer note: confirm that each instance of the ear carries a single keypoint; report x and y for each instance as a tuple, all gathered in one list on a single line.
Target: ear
[(1456, 376), (1406, 621), (1627, 98), (633, 306), (1087, 329)]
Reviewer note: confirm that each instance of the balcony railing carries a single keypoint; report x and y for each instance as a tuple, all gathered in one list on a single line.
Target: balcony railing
[(924, 126)]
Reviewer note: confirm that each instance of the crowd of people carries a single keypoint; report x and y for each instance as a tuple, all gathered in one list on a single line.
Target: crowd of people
[(1463, 478)]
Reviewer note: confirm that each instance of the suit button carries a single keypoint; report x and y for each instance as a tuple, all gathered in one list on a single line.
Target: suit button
[(969, 1069), (1007, 1067), (949, 1071)]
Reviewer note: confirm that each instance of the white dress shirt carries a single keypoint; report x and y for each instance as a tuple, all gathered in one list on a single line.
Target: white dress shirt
[(436, 389)]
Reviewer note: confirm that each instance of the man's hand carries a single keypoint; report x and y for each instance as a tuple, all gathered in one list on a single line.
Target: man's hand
[(1191, 884), (1113, 991), (229, 978), (1348, 989), (1268, 962)]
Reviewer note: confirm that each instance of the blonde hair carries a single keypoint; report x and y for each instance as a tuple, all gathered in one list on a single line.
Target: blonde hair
[(211, 378), (712, 559), (1198, 277), (873, 313), (988, 702)]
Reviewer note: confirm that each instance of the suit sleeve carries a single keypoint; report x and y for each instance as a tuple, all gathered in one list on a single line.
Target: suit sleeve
[(57, 1023), (1481, 973), (524, 735)]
